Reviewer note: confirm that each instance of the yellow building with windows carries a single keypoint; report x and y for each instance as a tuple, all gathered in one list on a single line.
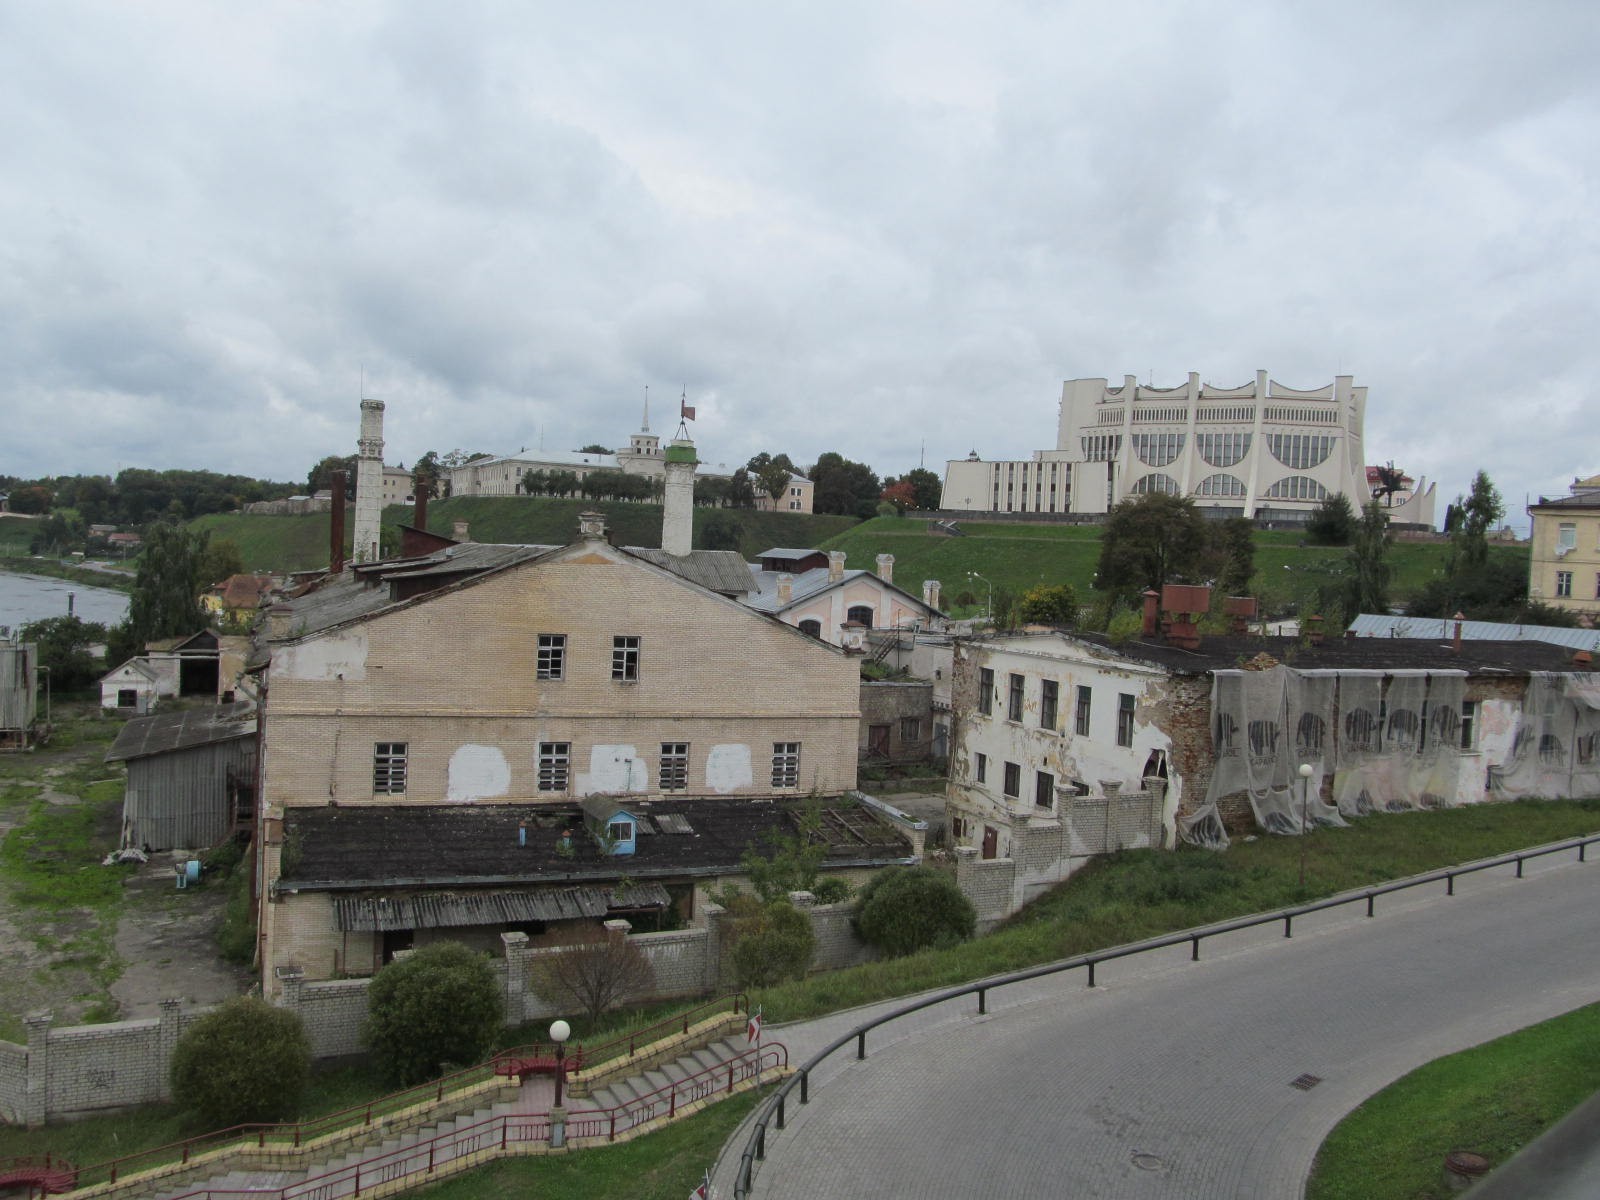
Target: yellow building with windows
[(1564, 566)]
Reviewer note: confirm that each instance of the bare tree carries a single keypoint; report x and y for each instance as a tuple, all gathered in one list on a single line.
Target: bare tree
[(591, 968)]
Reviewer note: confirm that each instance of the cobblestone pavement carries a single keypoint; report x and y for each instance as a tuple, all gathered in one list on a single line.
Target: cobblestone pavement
[(1172, 1079)]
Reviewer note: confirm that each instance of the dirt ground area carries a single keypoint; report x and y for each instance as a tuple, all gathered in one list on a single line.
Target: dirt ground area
[(118, 954)]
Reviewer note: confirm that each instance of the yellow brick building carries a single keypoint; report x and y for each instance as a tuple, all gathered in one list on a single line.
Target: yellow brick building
[(1564, 563), (480, 692)]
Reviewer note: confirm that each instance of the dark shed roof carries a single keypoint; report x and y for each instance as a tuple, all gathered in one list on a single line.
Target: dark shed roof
[(164, 732)]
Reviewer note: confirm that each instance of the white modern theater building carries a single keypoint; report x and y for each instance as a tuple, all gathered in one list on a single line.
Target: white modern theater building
[(1260, 450)]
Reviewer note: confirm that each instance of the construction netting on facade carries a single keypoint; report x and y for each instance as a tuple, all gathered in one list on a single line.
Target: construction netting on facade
[(1556, 751), (1389, 740)]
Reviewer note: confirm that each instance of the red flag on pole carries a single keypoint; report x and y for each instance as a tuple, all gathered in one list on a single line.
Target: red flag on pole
[(753, 1029), (686, 411)]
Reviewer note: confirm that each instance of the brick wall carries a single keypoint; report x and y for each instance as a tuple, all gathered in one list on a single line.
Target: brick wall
[(332, 1013), (837, 944), (990, 884), (13, 1083), (892, 703)]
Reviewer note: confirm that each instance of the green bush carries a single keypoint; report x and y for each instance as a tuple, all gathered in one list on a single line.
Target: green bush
[(436, 1009), (832, 890), (774, 943), (244, 1061), (905, 909)]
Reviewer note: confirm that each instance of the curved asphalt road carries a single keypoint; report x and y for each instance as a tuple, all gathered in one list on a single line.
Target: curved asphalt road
[(1172, 1079)]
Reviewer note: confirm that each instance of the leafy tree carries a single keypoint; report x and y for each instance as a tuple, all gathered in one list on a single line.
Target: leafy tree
[(927, 486), (436, 1008), (1045, 605), (64, 648), (1367, 585), (596, 448), (793, 860), (773, 479), (711, 491), (901, 495), (428, 476), (244, 1061), (905, 909), (57, 534), (219, 561), (1333, 522), (774, 942), (31, 499), (1005, 610), (720, 531), (1152, 540), (1390, 480), (166, 589), (1236, 538), (320, 478), (591, 969), (741, 493), (844, 487), (1477, 515)]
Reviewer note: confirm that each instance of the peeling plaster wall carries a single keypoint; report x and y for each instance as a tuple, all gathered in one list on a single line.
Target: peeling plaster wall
[(728, 768), (1094, 758), (325, 659), (1499, 714), (614, 771), (478, 773)]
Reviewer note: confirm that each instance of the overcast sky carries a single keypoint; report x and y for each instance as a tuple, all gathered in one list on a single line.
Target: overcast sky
[(865, 227)]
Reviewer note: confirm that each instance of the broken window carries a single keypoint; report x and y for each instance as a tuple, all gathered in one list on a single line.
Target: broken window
[(555, 760), (1013, 781), (785, 764), (1081, 721), (1049, 701), (674, 766), (1124, 719), (1014, 699), (1044, 790), (625, 658), (552, 656), (981, 769), (985, 691), (389, 768)]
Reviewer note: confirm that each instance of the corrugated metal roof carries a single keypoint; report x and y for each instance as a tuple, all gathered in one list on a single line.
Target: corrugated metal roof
[(451, 910), (162, 733), (1443, 628), (721, 571)]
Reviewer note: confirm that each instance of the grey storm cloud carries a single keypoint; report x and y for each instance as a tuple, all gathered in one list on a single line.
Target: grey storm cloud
[(873, 228)]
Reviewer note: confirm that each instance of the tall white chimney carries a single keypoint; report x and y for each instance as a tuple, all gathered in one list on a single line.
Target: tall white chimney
[(886, 567), (785, 588), (930, 592), (677, 509), (835, 565), (369, 483)]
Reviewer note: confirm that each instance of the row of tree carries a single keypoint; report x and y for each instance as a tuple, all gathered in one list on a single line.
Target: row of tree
[(135, 495)]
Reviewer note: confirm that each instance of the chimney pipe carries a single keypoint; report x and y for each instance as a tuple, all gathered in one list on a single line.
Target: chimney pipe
[(835, 565), (785, 588), (1314, 625), (930, 593), (336, 549), (1455, 641), (1152, 613), (886, 567), (460, 533), (419, 516)]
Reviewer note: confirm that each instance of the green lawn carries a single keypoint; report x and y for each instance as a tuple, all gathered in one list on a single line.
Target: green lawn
[(1492, 1099)]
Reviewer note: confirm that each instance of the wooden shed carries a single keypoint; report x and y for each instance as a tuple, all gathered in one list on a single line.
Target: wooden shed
[(191, 776)]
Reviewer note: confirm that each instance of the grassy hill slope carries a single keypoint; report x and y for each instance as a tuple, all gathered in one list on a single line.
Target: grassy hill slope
[(1022, 556), (300, 543)]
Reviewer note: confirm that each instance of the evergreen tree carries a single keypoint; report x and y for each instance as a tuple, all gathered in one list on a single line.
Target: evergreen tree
[(1367, 590), (1477, 515), (1333, 523)]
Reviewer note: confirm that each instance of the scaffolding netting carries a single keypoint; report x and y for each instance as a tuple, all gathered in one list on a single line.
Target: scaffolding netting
[(1556, 749)]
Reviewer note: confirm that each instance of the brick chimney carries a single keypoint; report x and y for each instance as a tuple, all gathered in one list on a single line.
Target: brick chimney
[(835, 565), (278, 621), (1184, 604), (459, 532), (930, 592), (785, 588), (886, 567), (419, 516), (1152, 614), (1455, 640), (1314, 629), (591, 526), (1239, 610)]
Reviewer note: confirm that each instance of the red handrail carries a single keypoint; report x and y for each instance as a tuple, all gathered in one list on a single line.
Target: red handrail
[(363, 1114), (425, 1157), (50, 1173)]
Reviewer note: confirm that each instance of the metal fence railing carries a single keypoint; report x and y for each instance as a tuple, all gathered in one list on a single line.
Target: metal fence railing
[(774, 1110)]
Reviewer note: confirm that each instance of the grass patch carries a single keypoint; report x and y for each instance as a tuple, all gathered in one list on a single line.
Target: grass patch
[(1492, 1099), (665, 1165), (52, 858)]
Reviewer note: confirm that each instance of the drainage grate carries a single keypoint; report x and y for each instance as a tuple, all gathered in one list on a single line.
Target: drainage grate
[(1305, 1082)]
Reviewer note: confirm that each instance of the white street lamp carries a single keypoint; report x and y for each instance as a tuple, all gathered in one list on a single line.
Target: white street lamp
[(1305, 812)]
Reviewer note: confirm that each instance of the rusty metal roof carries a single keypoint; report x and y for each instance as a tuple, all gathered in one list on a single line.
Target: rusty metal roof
[(450, 910), (164, 732)]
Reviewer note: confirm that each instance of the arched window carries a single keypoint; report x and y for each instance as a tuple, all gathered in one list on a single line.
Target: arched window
[(861, 614), (1297, 487), (1221, 484), (1157, 449), (1222, 449), (811, 628), (1300, 451), (1156, 481)]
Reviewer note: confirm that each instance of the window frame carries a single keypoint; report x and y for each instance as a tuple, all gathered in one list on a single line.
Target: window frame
[(1469, 725), (910, 730), (785, 765), (986, 691), (554, 768), (627, 649), (980, 768), (1044, 790), (391, 767), (1127, 705), (1049, 704), (1016, 691), (1011, 781), (1083, 712), (672, 767), (551, 656), (1563, 585)]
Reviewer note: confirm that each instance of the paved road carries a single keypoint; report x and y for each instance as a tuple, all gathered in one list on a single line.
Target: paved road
[(1172, 1079)]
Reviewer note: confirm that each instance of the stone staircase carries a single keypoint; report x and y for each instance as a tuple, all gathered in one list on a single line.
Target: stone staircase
[(624, 1104)]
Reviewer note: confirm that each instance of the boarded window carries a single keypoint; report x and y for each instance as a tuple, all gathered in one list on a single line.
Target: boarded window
[(389, 768), (555, 764)]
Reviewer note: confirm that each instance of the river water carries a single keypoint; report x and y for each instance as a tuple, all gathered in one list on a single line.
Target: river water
[(25, 598)]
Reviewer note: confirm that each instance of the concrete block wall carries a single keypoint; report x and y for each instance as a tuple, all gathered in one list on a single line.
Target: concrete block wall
[(13, 1083), (837, 944), (991, 885), (332, 1012)]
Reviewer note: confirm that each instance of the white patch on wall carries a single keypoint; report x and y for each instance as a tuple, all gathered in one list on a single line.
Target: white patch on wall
[(477, 772), (614, 770), (728, 768), (324, 659)]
